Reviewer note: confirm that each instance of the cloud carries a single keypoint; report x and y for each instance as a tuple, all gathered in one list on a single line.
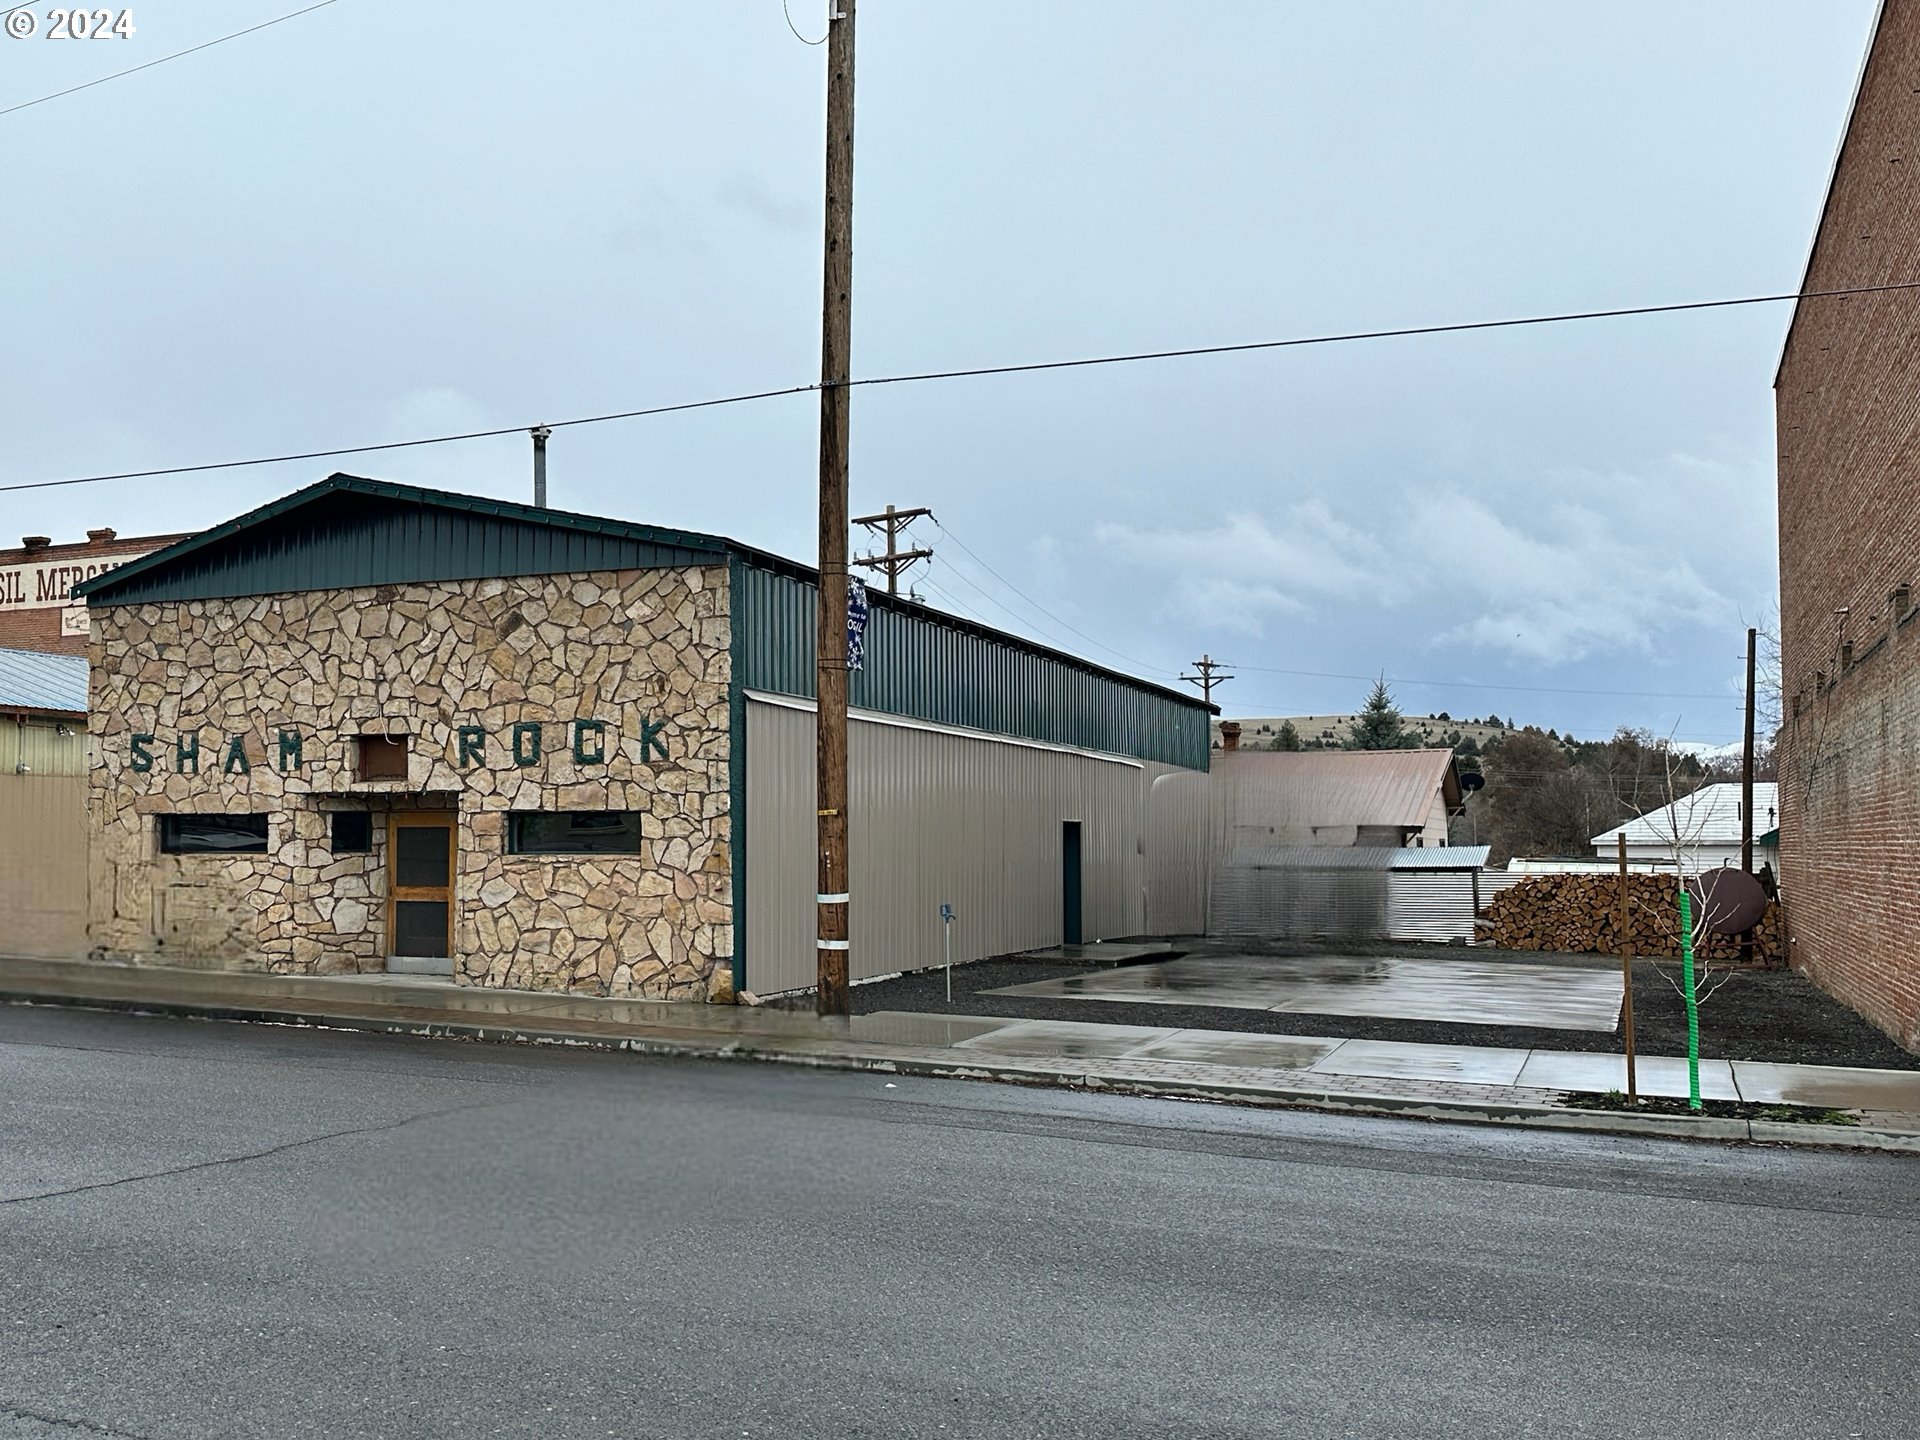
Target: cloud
[(1547, 570), (1248, 569), (751, 195)]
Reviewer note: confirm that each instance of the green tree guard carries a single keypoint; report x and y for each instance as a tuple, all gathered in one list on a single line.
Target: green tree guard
[(1693, 1000)]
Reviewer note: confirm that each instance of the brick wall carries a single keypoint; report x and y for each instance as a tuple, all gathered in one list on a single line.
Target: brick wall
[(37, 626), (1847, 408)]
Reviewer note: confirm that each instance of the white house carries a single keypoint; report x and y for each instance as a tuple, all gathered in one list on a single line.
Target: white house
[(1703, 827)]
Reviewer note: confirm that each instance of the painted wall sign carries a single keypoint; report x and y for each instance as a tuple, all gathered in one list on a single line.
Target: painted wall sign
[(42, 587), (524, 745)]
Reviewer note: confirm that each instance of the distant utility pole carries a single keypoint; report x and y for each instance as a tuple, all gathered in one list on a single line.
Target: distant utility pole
[(1746, 787), (896, 562), (1206, 679), (833, 891)]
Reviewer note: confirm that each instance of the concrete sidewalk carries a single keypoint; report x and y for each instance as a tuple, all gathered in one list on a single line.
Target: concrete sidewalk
[(1521, 1087)]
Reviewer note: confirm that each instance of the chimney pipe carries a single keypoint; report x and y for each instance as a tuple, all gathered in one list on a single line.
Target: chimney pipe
[(540, 434), (1229, 734)]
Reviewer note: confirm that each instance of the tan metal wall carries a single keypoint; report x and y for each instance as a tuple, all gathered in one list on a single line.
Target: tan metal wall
[(1180, 844), (43, 865), (937, 814)]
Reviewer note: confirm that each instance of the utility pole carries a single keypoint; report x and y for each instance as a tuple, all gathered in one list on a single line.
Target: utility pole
[(830, 710), (1206, 679), (1746, 787), (540, 434), (896, 562), (1746, 763)]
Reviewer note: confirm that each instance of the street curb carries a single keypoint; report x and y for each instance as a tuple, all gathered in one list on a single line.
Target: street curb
[(881, 1058)]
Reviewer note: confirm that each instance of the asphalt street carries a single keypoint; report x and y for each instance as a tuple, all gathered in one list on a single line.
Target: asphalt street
[(212, 1230)]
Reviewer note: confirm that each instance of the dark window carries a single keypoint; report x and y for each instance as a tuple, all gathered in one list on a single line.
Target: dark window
[(588, 832), (222, 834), (380, 757), (352, 832)]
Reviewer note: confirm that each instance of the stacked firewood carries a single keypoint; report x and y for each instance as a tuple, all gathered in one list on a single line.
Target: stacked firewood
[(1577, 913)]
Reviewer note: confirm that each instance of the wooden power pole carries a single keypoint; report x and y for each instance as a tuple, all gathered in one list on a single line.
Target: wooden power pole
[(896, 562), (836, 343), (1207, 679), (1746, 787)]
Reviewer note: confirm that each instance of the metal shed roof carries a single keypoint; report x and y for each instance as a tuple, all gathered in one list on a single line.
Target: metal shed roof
[(1360, 857), (33, 680), (1709, 816), (1341, 787)]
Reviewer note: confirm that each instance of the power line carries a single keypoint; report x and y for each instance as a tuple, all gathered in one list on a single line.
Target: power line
[(973, 373), (191, 50)]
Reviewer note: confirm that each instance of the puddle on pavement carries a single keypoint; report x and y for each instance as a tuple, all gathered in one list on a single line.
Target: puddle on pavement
[(1474, 992)]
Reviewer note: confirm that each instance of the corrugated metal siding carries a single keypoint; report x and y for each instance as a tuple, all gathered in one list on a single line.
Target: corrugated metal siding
[(919, 665), (348, 539), (1291, 902), (968, 820), (43, 865), (1178, 850), (1322, 797), (1430, 905), (42, 747)]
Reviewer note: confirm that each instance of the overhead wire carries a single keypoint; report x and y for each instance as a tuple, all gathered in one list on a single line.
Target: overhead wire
[(190, 50), (973, 372)]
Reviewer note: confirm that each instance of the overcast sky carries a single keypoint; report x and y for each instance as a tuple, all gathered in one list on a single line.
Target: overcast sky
[(378, 221)]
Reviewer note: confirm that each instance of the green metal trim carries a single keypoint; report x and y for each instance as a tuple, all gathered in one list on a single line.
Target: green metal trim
[(102, 587), (736, 775)]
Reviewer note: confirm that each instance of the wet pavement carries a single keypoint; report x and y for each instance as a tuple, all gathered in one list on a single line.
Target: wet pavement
[(1475, 992), (1171, 1059)]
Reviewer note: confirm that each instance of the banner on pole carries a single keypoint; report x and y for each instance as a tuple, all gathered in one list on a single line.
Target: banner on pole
[(856, 622)]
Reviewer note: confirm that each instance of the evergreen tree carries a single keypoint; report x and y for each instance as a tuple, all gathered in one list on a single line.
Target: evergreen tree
[(1379, 726), (1288, 738)]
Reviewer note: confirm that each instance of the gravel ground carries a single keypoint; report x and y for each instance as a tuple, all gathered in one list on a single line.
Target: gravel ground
[(1758, 1015)]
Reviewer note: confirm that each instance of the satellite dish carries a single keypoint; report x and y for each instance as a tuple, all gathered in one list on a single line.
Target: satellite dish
[(1727, 901), (1471, 781)]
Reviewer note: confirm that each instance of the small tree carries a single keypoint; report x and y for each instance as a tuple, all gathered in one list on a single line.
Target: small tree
[(1380, 726), (1288, 738)]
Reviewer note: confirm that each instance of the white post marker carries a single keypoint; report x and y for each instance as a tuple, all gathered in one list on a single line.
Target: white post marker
[(946, 929)]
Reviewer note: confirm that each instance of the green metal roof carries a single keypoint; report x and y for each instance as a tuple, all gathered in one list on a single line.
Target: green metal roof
[(347, 531)]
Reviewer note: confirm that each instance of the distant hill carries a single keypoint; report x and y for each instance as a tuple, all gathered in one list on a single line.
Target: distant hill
[(1433, 730)]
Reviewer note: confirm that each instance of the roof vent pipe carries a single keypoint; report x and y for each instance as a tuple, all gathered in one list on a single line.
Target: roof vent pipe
[(540, 434)]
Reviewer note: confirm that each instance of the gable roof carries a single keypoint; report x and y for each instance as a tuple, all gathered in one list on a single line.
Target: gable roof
[(33, 680), (1333, 788), (348, 531), (1709, 816)]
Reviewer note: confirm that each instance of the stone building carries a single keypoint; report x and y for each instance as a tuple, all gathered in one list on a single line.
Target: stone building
[(38, 610), (1847, 407), (374, 727)]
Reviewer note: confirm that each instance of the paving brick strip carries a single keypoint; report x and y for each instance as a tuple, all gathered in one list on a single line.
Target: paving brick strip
[(933, 1046)]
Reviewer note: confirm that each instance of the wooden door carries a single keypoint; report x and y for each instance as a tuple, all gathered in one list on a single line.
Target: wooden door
[(420, 870)]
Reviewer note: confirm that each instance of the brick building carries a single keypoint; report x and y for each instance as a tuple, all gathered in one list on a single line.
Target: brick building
[(37, 609), (1847, 406)]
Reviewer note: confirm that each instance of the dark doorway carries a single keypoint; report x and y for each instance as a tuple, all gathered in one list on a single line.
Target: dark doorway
[(1070, 882), (420, 856)]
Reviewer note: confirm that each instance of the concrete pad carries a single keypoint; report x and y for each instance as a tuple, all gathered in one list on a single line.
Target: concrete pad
[(1064, 1038), (1391, 1059), (1664, 1075), (1227, 1047), (1830, 1086), (1474, 992), (902, 1027)]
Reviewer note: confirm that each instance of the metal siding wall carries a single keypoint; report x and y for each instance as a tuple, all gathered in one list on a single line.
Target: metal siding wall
[(1275, 902), (1179, 850), (42, 748), (1431, 905), (921, 667), (43, 865), (970, 821)]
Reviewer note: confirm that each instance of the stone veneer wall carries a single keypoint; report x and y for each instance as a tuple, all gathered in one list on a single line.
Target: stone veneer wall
[(644, 652)]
